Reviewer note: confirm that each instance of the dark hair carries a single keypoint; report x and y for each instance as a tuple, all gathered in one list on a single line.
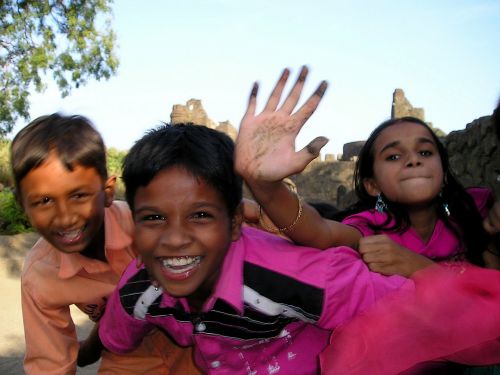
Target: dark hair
[(204, 152), (73, 138), (464, 220)]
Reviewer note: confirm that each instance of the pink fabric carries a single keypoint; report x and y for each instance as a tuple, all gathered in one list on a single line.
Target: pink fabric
[(443, 243), (453, 315), (345, 284)]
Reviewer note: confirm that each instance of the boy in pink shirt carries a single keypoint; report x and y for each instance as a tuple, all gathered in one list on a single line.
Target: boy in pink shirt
[(249, 302), (59, 166)]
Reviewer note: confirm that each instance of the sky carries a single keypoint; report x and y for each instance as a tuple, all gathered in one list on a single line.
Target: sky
[(444, 54)]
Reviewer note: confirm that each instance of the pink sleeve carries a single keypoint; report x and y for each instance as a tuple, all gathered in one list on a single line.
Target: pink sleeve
[(361, 221), (484, 199), (351, 287), (119, 332)]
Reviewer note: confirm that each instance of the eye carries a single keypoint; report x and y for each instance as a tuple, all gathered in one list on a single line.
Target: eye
[(44, 201), (426, 153), (152, 217), (80, 196), (202, 215), (393, 157)]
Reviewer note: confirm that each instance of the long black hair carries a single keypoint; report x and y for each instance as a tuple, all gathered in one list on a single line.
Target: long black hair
[(464, 219)]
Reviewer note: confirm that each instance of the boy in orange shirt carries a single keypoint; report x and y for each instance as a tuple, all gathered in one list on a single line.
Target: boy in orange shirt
[(61, 181)]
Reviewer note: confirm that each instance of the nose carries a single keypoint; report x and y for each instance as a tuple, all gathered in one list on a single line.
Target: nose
[(175, 236), (66, 217), (413, 159)]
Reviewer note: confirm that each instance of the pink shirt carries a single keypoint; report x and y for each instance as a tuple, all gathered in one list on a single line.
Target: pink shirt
[(51, 281), (272, 309), (443, 242)]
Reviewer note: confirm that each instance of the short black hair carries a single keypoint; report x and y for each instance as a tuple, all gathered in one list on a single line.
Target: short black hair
[(73, 138), (204, 152)]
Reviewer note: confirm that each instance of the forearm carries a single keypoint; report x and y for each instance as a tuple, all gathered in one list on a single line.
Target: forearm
[(307, 227)]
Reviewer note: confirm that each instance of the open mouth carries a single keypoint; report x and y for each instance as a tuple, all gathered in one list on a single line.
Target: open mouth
[(70, 236), (179, 268)]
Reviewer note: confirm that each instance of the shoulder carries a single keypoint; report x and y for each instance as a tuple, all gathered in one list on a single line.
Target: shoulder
[(42, 252), (364, 221), (119, 214)]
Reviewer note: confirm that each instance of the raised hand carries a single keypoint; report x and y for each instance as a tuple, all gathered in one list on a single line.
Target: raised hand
[(383, 255), (265, 147)]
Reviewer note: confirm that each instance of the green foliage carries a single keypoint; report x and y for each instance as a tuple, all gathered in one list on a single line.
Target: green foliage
[(115, 159), (5, 171), (12, 218), (72, 39)]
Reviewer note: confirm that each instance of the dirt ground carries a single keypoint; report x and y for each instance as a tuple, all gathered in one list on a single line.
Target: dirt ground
[(12, 252)]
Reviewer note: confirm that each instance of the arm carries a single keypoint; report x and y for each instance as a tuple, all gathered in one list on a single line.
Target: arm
[(269, 137), (51, 341), (383, 255)]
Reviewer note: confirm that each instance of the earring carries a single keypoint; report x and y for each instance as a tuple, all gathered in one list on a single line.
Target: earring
[(380, 206), (446, 209)]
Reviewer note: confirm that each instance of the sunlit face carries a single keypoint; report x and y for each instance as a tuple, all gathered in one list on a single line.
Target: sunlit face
[(183, 231), (407, 167), (66, 207)]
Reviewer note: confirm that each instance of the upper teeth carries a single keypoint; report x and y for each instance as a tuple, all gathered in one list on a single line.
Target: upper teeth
[(181, 261)]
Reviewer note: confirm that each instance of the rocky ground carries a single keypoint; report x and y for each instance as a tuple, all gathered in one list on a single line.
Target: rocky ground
[(12, 252)]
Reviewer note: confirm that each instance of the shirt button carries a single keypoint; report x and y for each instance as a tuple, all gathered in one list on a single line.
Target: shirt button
[(200, 327), (215, 364)]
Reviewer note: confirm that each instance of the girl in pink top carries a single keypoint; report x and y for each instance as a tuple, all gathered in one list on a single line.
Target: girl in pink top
[(411, 209)]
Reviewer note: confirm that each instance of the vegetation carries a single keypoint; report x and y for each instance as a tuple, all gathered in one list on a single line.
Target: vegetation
[(71, 39)]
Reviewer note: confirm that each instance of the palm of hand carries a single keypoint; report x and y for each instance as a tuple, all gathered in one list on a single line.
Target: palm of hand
[(265, 147)]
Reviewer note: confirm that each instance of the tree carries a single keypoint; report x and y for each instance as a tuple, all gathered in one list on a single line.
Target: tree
[(72, 39)]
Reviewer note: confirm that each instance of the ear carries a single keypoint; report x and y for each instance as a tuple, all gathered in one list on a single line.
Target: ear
[(109, 191), (371, 187), (236, 222)]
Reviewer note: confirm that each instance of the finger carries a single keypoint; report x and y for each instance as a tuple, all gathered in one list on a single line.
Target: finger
[(294, 96), (275, 97), (308, 108), (303, 157), (252, 100), (490, 226)]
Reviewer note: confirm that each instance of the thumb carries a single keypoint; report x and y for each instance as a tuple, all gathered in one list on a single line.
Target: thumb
[(309, 153)]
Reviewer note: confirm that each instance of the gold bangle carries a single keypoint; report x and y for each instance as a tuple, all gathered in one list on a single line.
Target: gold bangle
[(284, 229)]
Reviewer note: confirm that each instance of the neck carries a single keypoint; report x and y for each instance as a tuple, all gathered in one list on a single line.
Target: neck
[(423, 220), (95, 250)]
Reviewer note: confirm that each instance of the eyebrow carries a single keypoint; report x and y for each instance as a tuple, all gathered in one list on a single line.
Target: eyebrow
[(421, 140)]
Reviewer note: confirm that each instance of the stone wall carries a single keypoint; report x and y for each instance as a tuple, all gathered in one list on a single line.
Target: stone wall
[(475, 154), (194, 112)]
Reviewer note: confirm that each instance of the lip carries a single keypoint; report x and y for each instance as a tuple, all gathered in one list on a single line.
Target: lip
[(180, 267), (70, 237)]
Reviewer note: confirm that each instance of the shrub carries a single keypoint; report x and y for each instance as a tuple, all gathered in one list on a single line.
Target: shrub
[(12, 218)]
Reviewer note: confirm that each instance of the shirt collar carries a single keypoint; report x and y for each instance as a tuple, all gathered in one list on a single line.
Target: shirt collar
[(116, 239)]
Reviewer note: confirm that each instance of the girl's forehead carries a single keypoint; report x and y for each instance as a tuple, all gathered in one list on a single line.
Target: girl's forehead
[(402, 131)]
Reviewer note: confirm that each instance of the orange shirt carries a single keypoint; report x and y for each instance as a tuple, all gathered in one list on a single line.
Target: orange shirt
[(51, 281)]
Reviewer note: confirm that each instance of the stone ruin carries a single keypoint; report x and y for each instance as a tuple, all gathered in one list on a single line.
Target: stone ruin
[(474, 154), (194, 112)]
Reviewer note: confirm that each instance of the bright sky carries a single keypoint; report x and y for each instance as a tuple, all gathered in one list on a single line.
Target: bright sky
[(445, 55)]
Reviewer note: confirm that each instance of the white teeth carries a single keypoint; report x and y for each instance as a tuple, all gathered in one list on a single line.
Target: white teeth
[(70, 234), (184, 262)]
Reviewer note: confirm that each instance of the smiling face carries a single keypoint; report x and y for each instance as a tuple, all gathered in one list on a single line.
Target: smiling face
[(66, 207), (183, 231), (407, 167)]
